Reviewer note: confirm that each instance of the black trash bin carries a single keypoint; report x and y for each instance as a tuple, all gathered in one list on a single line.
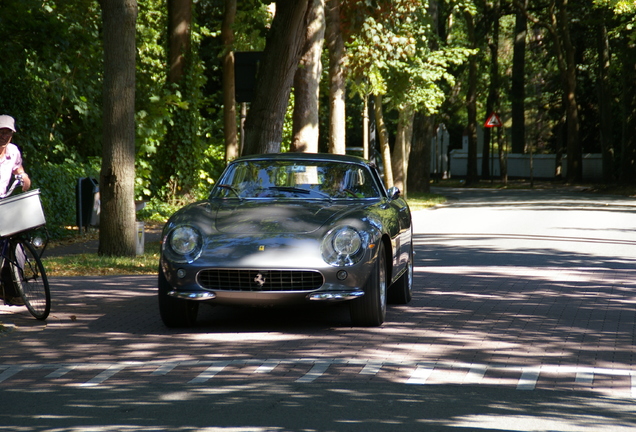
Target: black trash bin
[(87, 203)]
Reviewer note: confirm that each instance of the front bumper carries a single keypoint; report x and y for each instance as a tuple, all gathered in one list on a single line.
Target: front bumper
[(320, 296), (234, 276)]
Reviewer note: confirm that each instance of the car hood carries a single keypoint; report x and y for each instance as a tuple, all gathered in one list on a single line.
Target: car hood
[(278, 218)]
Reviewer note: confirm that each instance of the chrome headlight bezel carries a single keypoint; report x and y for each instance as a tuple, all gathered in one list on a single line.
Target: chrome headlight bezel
[(185, 243), (344, 246)]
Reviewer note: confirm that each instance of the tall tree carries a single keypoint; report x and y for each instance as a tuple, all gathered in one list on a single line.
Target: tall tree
[(283, 49), (177, 171), (307, 84), (383, 135), (628, 99), (518, 84), (391, 55), (424, 123), (179, 24), (492, 101), (471, 100), (420, 158), (568, 71), (557, 22), (604, 102), (337, 90), (623, 40), (229, 86), (117, 235), (402, 148)]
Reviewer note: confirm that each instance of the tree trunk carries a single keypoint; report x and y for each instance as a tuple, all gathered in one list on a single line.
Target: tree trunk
[(174, 172), (471, 104), (402, 149), (230, 129), (419, 180), (283, 49), (604, 102), (117, 234), (517, 88), (383, 134), (337, 113), (503, 156), (424, 126), (492, 102), (179, 22), (305, 129), (575, 162)]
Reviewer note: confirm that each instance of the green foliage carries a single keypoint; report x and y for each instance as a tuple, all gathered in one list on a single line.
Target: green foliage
[(250, 27), (50, 78), (389, 53), (175, 170), (51, 82), (157, 210), (57, 184)]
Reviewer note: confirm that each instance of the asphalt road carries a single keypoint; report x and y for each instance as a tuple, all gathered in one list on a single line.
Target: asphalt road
[(522, 320)]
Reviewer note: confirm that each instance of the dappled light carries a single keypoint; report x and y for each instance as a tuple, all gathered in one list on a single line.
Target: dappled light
[(298, 408), (504, 329)]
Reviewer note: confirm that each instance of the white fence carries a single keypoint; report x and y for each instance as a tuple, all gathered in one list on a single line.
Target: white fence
[(543, 165)]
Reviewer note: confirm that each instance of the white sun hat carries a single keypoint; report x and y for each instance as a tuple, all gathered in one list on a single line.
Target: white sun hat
[(7, 122)]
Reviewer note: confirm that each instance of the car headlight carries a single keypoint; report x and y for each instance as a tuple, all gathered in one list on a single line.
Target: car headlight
[(343, 246), (186, 241), (346, 241)]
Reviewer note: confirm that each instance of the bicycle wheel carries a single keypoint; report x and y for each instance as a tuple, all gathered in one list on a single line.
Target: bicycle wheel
[(30, 279)]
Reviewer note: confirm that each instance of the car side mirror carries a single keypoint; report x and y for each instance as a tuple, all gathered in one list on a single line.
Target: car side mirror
[(394, 193)]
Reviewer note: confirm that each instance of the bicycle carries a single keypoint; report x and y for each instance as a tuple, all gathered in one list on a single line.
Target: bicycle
[(20, 262)]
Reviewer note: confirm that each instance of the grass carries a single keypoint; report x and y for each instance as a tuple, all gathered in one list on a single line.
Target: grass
[(95, 265), (423, 201)]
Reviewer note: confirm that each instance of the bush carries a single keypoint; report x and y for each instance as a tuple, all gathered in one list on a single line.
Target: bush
[(57, 184)]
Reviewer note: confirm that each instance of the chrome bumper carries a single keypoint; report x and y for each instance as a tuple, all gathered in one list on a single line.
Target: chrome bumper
[(317, 296), (190, 295), (335, 295)]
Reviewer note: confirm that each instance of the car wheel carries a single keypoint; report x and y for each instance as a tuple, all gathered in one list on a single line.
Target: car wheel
[(401, 291), (175, 312), (370, 309)]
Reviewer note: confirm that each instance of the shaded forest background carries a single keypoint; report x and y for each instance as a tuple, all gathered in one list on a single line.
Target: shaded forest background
[(561, 74)]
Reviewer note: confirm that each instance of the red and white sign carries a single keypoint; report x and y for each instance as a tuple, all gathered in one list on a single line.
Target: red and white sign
[(493, 121)]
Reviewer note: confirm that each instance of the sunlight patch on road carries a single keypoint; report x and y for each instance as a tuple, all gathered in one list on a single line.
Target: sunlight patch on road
[(238, 337), (529, 423), (542, 273)]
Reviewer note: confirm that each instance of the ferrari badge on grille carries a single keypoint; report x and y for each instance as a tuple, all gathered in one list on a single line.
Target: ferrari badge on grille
[(260, 280)]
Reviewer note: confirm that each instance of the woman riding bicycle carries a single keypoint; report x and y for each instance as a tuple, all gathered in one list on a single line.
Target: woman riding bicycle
[(10, 157), (10, 164)]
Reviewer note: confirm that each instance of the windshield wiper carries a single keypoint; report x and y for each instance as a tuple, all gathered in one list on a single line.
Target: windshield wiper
[(300, 190), (290, 189)]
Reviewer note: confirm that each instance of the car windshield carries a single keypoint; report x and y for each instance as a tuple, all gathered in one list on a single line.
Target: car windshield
[(296, 179)]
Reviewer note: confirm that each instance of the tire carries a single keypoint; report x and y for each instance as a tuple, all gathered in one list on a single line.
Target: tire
[(370, 309), (401, 292), (30, 279), (175, 313)]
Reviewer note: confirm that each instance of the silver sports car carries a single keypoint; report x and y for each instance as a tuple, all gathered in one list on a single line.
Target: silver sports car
[(289, 228)]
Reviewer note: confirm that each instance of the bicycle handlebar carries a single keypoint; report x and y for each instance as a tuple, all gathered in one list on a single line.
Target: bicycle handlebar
[(18, 181)]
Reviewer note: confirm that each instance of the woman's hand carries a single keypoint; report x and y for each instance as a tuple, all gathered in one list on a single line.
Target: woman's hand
[(26, 182)]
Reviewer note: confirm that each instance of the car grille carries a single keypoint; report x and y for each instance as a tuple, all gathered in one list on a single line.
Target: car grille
[(260, 280)]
